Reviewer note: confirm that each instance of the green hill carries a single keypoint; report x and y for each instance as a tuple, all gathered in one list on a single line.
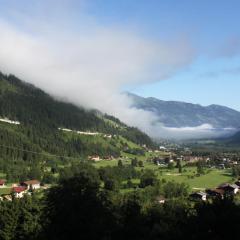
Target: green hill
[(37, 140)]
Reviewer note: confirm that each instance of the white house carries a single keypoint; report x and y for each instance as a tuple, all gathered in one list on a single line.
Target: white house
[(32, 184), (160, 200), (19, 191), (162, 148), (199, 196), (94, 158)]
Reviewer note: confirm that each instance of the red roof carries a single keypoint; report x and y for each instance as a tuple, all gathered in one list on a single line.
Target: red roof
[(2, 181), (19, 189)]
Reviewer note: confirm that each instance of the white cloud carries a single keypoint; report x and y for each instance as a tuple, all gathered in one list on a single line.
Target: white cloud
[(89, 67), (202, 131)]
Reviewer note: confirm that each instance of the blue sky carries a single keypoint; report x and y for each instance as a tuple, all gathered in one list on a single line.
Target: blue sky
[(211, 27)]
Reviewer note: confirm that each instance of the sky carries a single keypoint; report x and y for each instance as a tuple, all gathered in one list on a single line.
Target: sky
[(85, 51), (213, 29)]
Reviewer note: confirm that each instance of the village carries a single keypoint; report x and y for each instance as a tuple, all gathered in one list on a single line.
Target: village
[(171, 164), (18, 190), (223, 190)]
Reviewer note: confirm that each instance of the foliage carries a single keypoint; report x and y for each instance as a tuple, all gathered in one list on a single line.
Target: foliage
[(148, 178), (78, 206), (236, 171), (26, 150), (20, 219)]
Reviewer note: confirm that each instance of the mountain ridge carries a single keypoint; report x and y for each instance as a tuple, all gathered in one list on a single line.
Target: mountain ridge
[(182, 114)]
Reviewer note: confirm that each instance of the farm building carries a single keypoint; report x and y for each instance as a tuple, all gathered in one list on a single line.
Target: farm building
[(31, 185), (229, 188), (199, 196), (19, 191)]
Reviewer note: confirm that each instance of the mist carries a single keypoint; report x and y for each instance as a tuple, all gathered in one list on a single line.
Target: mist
[(90, 66)]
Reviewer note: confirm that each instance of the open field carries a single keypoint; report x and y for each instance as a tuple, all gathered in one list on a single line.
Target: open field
[(211, 179), (5, 191), (2, 175)]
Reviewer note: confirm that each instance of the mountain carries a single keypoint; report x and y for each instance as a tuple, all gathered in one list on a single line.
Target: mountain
[(232, 140), (40, 117), (180, 114)]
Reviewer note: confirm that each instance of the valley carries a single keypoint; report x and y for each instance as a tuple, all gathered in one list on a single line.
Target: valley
[(55, 155), (119, 120)]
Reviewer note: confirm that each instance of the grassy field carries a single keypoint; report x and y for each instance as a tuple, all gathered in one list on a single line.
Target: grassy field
[(105, 163), (5, 191), (2, 175), (211, 179)]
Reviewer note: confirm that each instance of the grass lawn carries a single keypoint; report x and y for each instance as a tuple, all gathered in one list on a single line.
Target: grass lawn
[(212, 178), (5, 191), (2, 175), (146, 156), (105, 163)]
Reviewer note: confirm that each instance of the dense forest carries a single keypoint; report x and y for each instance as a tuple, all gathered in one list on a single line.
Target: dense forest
[(40, 118), (80, 207), (84, 202), (36, 109)]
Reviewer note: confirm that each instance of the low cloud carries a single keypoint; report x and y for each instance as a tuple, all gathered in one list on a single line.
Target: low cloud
[(202, 131), (90, 67)]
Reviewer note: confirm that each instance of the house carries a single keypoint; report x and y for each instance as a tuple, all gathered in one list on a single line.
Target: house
[(215, 193), (198, 196), (19, 191), (162, 148), (2, 183), (229, 188), (107, 135), (159, 161), (31, 185), (94, 158), (238, 183), (160, 200)]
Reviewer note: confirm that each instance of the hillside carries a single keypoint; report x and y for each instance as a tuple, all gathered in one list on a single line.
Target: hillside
[(233, 140), (40, 117), (181, 114)]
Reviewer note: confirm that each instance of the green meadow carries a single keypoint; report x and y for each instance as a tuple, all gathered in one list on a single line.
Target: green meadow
[(211, 179)]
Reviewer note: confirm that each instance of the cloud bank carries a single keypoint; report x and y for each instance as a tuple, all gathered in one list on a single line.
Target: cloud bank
[(90, 66)]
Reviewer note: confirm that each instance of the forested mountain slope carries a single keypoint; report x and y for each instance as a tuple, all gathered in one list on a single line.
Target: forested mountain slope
[(40, 116)]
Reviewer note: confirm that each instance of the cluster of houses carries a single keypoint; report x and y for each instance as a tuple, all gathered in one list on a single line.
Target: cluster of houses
[(97, 158), (225, 189), (19, 190)]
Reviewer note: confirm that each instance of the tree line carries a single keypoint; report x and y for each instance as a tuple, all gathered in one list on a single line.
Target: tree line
[(80, 208)]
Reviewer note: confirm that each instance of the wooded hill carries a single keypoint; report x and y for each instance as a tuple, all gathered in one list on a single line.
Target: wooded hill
[(40, 116)]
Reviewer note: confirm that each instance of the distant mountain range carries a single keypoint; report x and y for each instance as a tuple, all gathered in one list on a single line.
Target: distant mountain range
[(233, 140), (175, 114)]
